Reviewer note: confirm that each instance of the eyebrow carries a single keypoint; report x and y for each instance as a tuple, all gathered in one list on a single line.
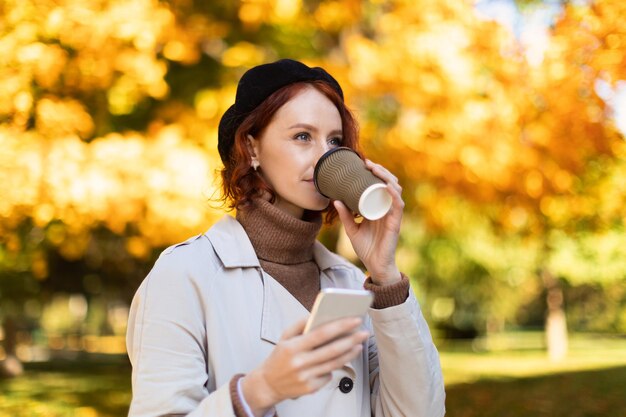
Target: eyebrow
[(314, 129)]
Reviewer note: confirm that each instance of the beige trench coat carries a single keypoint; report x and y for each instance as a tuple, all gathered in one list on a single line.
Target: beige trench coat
[(207, 311)]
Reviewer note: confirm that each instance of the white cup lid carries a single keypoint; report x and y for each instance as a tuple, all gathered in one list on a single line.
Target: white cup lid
[(375, 201)]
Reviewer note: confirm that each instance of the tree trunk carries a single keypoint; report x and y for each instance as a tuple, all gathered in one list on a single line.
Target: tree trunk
[(10, 365), (556, 325)]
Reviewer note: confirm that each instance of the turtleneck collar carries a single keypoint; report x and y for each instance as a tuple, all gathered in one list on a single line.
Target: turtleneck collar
[(278, 236)]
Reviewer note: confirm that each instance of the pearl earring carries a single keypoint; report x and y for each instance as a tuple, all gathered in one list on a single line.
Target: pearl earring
[(255, 164)]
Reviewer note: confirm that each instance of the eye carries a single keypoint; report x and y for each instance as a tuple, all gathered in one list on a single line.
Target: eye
[(303, 136), (335, 142)]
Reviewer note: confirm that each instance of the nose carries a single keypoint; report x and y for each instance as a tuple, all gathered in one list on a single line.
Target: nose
[(321, 150)]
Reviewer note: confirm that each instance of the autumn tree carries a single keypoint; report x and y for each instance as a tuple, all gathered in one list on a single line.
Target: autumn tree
[(110, 109), (109, 116), (466, 116), (97, 165)]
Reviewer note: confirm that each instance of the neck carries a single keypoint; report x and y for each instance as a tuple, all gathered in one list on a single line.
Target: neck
[(289, 208), (278, 236), (284, 245)]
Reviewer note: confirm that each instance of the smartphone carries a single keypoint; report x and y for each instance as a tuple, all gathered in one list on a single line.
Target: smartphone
[(336, 303)]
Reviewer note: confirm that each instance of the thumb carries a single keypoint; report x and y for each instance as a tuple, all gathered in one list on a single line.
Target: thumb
[(346, 218)]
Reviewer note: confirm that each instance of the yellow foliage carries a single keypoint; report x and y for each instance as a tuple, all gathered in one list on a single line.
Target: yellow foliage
[(335, 15), (450, 102), (479, 116), (57, 118), (253, 13), (243, 54), (161, 182), (285, 10)]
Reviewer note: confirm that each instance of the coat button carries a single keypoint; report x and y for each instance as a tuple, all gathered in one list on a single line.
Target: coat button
[(345, 385)]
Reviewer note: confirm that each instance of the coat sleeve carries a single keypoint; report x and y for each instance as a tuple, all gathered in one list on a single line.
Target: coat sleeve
[(166, 343), (405, 372)]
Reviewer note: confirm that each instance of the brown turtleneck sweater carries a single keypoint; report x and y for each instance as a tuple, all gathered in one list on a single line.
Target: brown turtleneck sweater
[(284, 246)]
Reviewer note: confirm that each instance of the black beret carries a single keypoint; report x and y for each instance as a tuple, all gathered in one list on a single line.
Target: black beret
[(257, 84)]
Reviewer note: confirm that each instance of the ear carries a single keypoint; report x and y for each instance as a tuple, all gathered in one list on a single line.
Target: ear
[(253, 146)]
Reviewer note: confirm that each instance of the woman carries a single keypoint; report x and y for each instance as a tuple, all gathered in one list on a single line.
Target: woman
[(216, 327)]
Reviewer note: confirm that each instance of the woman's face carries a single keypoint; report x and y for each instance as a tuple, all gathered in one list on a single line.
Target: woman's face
[(301, 131)]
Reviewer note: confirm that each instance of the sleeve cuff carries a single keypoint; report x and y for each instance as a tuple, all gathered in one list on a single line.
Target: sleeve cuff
[(388, 295), (240, 406), (238, 401)]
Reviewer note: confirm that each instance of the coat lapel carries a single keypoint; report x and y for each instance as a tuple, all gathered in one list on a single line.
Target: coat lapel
[(280, 310)]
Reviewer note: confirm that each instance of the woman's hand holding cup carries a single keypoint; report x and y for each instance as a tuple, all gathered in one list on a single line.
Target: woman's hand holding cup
[(375, 241)]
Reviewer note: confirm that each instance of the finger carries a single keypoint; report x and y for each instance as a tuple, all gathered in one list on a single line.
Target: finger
[(294, 330), (346, 218), (328, 332), (396, 197), (394, 217), (380, 171), (335, 349), (385, 175), (336, 363), (395, 186), (317, 382)]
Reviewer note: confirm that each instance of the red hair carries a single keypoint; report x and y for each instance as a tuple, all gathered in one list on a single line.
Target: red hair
[(240, 182)]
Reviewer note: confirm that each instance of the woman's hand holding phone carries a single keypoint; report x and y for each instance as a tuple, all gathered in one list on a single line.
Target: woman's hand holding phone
[(301, 364)]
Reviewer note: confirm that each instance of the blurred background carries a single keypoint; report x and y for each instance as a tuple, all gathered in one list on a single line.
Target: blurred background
[(504, 121)]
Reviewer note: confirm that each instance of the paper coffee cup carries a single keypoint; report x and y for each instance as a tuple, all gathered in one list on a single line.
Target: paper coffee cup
[(341, 174)]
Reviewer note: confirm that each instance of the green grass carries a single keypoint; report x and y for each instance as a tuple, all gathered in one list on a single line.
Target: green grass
[(600, 393), (522, 354), (513, 379), (62, 388)]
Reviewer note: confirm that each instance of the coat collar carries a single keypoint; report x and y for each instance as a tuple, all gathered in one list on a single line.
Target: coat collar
[(231, 244), (233, 247), (280, 308)]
